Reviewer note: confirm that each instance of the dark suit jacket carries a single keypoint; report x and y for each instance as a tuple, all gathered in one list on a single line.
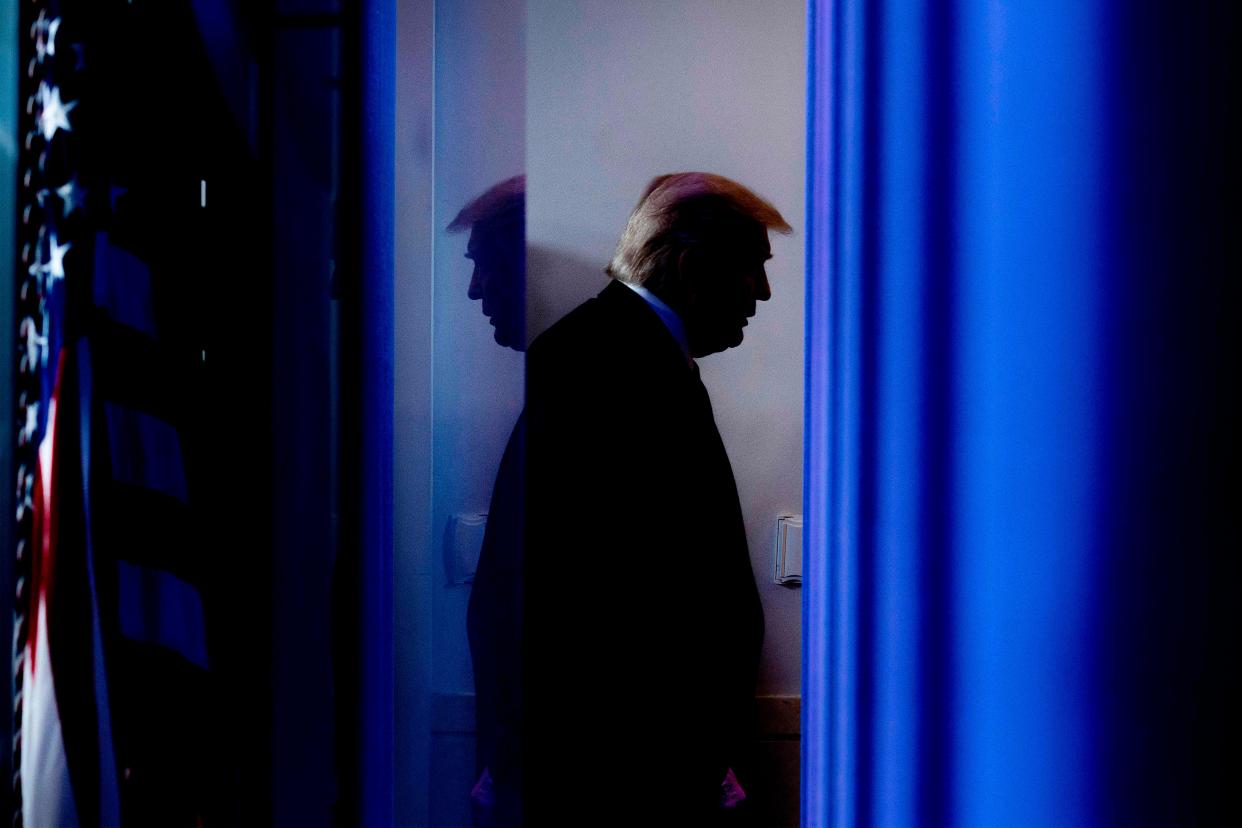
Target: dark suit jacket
[(494, 627), (642, 620)]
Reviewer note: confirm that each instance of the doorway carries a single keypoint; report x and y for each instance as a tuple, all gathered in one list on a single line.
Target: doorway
[(588, 101)]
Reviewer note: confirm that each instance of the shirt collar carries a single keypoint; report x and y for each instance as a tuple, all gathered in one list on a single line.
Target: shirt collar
[(667, 315)]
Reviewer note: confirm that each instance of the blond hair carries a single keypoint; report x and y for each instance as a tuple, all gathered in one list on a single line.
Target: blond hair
[(679, 210)]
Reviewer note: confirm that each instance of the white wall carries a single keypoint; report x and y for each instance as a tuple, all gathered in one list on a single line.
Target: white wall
[(619, 91)]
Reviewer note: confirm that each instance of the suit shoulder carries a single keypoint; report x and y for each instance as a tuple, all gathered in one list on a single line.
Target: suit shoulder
[(584, 333)]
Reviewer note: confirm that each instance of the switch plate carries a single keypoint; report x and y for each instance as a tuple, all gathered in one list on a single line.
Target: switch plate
[(788, 570)]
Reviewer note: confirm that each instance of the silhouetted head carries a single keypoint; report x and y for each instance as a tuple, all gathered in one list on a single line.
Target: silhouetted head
[(497, 246), (700, 242)]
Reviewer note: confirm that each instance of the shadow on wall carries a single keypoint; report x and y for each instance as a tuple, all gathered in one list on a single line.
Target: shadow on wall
[(557, 281)]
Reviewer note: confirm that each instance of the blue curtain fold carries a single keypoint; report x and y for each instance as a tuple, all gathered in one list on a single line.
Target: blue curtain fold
[(377, 57), (1022, 584)]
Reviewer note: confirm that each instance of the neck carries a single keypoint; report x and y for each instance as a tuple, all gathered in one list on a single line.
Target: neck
[(668, 315), (671, 297)]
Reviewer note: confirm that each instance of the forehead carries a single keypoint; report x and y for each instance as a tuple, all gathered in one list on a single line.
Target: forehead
[(751, 241), (483, 242), (503, 233)]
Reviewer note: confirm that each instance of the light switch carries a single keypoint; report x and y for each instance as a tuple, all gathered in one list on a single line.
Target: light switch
[(463, 541), (789, 550)]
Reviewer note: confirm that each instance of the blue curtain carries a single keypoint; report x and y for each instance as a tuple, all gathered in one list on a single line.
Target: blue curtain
[(1022, 587), (374, 320)]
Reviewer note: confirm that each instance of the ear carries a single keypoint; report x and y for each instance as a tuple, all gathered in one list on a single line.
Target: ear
[(688, 273)]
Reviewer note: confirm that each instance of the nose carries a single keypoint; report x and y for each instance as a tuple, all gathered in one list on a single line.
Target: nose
[(763, 291), (475, 291)]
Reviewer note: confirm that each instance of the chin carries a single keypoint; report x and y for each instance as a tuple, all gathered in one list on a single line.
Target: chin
[(509, 339), (723, 342)]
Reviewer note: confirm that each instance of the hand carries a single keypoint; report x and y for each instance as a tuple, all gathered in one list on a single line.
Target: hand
[(481, 794), (731, 793)]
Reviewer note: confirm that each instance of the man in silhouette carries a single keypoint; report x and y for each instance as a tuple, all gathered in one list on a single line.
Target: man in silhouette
[(642, 620), (497, 247)]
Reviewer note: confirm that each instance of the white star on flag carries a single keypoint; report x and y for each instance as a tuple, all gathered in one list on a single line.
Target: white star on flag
[(40, 35), (27, 500), (55, 266), (32, 422), (52, 28), (35, 344), (70, 196), (53, 114), (47, 323)]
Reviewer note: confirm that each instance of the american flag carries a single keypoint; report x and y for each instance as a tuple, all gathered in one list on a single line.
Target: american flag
[(62, 747), (108, 604)]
